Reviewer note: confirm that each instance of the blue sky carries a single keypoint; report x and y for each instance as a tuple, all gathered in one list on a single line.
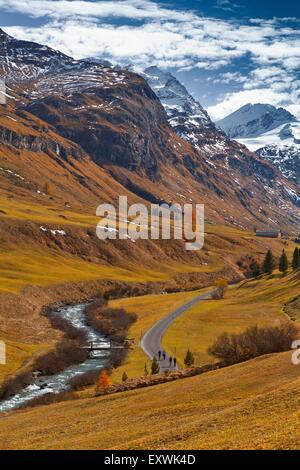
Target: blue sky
[(227, 52), (239, 8)]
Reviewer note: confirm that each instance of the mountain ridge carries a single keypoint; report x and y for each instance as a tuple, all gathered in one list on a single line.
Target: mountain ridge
[(279, 143), (252, 120), (112, 118)]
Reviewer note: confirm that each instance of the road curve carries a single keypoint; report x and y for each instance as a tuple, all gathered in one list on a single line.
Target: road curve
[(151, 342)]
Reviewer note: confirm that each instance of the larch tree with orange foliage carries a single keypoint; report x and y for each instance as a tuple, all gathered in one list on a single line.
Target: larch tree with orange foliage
[(103, 382)]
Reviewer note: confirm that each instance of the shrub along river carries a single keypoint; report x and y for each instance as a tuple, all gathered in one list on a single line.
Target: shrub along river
[(60, 382)]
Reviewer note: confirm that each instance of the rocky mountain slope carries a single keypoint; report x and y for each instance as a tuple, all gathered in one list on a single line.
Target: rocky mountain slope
[(273, 133), (104, 132), (24, 60), (184, 112), (192, 123), (186, 115), (285, 157)]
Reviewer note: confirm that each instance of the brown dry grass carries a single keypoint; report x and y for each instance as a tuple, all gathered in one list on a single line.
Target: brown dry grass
[(253, 405)]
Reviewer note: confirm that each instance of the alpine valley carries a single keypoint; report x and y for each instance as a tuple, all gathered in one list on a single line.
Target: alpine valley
[(78, 133)]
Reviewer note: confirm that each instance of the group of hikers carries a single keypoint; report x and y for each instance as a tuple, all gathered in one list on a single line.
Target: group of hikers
[(162, 356)]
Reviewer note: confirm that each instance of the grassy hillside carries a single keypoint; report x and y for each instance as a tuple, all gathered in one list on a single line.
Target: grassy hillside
[(208, 411), (252, 302), (19, 354), (19, 268), (240, 407), (149, 309), (30, 256), (249, 303)]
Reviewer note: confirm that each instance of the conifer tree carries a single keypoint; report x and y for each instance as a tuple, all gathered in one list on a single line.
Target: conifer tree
[(155, 366), (189, 358), (283, 263), (269, 263), (296, 259)]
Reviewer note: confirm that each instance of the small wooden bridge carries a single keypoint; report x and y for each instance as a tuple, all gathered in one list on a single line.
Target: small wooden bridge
[(111, 345)]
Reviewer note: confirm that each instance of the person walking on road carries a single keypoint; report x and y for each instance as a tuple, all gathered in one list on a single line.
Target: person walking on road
[(175, 362), (170, 361), (164, 355), (159, 355)]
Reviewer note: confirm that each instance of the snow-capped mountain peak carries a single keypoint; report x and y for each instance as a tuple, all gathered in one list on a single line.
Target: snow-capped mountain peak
[(273, 133), (251, 120), (174, 96), (23, 60)]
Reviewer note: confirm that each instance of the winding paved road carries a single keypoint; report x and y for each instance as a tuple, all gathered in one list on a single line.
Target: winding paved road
[(151, 342)]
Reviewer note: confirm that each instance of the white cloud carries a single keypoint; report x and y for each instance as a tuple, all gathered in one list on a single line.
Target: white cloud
[(181, 34), (146, 43), (172, 38), (266, 73), (207, 40), (137, 9), (294, 109), (272, 85), (229, 77)]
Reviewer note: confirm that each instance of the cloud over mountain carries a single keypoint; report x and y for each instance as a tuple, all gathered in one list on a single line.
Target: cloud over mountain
[(144, 32)]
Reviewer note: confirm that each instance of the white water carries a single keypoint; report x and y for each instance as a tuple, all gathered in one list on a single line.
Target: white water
[(60, 382)]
